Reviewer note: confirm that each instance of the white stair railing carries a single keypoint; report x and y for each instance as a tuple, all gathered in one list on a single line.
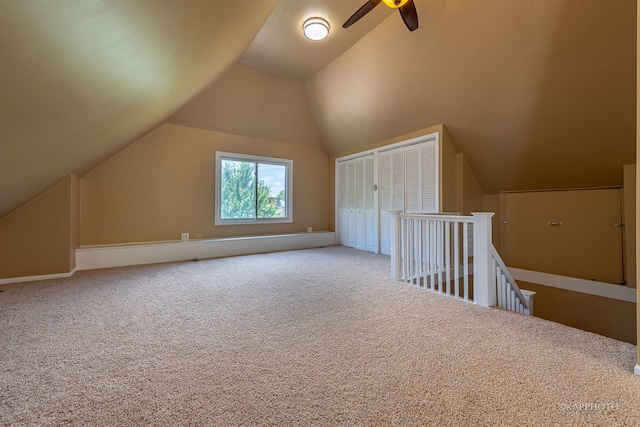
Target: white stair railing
[(453, 255), (508, 294)]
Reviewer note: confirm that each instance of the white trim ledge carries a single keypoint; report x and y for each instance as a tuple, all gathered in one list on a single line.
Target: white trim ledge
[(37, 278), (120, 255), (591, 287), (636, 370)]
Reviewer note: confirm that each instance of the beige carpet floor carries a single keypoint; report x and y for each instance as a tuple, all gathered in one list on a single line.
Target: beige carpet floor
[(318, 337)]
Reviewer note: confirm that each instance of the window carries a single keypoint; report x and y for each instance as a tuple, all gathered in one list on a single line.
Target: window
[(253, 190)]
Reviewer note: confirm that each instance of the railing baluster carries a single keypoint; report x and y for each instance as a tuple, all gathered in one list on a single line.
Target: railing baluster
[(499, 285), (418, 260), (440, 258), (425, 251), (432, 257), (427, 254), (405, 272), (456, 259), (503, 286), (447, 256), (465, 259), (409, 250), (412, 249)]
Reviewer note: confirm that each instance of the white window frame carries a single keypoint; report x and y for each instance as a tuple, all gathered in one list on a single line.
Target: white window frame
[(287, 163)]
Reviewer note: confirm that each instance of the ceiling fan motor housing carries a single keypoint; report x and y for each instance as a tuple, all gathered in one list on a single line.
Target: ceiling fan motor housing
[(395, 4)]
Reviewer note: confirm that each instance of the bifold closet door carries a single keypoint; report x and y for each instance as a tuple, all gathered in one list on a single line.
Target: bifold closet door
[(407, 180), (364, 204), (356, 207), (342, 208), (421, 178), (391, 192)]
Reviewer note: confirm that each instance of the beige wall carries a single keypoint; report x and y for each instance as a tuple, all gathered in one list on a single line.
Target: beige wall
[(629, 212), (163, 185), (637, 216), (74, 220), (472, 195), (449, 186), (40, 236), (586, 245), (491, 203), (604, 316), (252, 102)]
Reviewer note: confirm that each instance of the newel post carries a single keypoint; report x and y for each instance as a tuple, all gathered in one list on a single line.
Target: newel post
[(395, 241), (484, 274)]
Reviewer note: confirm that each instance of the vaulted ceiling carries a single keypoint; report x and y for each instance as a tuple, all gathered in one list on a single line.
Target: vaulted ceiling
[(536, 94), (80, 80)]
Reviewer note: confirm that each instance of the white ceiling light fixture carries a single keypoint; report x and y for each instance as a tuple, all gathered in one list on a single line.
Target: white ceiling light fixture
[(315, 28)]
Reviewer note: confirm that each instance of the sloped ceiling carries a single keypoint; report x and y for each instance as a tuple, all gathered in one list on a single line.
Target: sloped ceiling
[(537, 94), (281, 48), (82, 79)]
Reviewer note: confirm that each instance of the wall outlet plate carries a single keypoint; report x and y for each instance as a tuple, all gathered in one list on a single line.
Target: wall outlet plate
[(185, 236)]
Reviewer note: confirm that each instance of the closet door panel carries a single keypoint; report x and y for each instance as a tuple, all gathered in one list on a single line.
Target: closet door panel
[(397, 179), (354, 203), (391, 196), (343, 211), (429, 198), (369, 204), (361, 218), (413, 177)]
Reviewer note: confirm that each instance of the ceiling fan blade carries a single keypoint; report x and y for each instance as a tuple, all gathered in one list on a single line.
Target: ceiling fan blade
[(409, 15), (364, 9)]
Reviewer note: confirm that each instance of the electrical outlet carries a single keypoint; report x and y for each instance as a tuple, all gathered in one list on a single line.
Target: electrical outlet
[(185, 236), (309, 229)]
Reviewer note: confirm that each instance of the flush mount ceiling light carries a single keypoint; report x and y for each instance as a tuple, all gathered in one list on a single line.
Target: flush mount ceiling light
[(315, 28)]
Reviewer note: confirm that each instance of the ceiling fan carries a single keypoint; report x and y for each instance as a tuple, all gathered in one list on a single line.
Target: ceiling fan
[(407, 11)]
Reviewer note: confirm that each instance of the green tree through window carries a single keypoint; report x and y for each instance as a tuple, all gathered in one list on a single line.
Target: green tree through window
[(238, 190), (240, 198)]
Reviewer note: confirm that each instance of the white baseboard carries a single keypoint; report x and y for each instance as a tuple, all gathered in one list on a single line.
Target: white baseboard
[(574, 284), (106, 256), (37, 278)]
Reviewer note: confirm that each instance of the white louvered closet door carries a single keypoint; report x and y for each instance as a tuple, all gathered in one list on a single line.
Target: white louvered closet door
[(407, 179), (421, 190), (343, 209), (412, 176), (369, 204), (430, 201), (351, 202), (391, 196), (360, 216), (356, 206)]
